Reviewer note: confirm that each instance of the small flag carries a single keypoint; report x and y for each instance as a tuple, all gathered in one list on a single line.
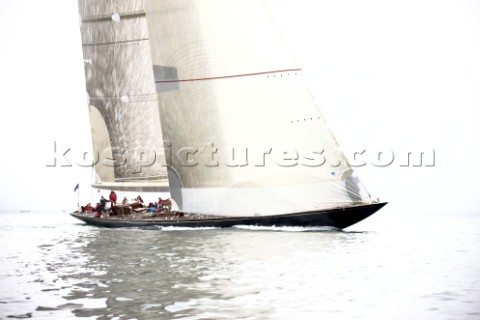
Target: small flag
[(76, 187)]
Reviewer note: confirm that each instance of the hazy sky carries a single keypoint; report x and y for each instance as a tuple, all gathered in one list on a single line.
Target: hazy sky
[(402, 76)]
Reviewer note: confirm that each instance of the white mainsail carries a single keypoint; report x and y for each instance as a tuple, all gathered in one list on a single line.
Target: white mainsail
[(227, 85), (127, 137)]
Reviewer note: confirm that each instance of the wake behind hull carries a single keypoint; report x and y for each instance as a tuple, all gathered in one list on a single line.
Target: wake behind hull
[(337, 218)]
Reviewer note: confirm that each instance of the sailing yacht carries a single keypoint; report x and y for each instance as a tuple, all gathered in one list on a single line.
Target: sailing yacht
[(202, 99)]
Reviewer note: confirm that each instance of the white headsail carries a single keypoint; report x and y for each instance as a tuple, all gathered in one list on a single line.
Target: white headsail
[(245, 135)]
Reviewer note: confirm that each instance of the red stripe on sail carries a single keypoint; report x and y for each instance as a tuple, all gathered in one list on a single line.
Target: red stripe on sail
[(231, 76)]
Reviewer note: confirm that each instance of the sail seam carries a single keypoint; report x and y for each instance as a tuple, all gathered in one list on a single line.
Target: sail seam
[(137, 98), (230, 76), (112, 42), (146, 178), (109, 17)]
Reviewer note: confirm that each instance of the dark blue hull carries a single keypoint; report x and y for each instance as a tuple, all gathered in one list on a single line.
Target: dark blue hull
[(337, 218)]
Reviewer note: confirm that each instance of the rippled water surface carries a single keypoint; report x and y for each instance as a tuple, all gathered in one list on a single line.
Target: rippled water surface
[(396, 267)]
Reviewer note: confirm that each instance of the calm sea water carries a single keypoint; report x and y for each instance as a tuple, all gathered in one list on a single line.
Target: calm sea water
[(388, 267)]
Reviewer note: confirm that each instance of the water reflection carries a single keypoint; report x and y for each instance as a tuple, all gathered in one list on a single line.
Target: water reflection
[(59, 269), (204, 274)]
